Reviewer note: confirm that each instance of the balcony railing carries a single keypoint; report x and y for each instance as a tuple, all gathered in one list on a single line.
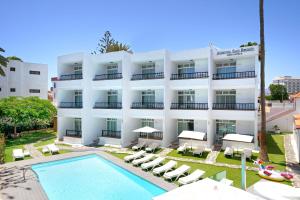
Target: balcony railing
[(150, 105), (73, 133), (193, 75), (234, 106), (155, 135), (108, 105), (111, 134), (70, 105), (158, 75), (234, 75), (108, 76), (189, 106), (70, 77)]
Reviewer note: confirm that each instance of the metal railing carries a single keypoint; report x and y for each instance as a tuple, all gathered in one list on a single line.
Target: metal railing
[(158, 75), (189, 106), (108, 105), (70, 77), (193, 75), (111, 134), (234, 106), (155, 135), (73, 133), (149, 105), (234, 75), (108, 76), (70, 105)]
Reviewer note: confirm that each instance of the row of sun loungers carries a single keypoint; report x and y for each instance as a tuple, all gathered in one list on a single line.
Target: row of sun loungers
[(148, 162), (20, 154), (198, 151), (149, 148), (229, 151)]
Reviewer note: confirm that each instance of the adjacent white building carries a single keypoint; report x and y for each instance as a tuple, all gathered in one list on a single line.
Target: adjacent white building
[(24, 79), (291, 83), (105, 97)]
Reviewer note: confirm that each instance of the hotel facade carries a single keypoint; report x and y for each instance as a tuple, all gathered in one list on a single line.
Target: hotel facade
[(103, 98)]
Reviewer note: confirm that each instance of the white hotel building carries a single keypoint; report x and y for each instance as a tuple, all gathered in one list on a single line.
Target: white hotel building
[(105, 97), (24, 79)]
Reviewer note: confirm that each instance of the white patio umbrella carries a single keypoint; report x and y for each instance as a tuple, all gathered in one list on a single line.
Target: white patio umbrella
[(146, 129), (192, 135), (207, 189)]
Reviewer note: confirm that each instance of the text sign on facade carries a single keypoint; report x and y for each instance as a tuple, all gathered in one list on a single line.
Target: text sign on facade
[(235, 51)]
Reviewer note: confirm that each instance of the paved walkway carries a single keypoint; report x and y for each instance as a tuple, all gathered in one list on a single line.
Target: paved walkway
[(290, 157), (212, 157), (33, 151)]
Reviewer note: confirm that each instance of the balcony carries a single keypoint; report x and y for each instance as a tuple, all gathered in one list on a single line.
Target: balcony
[(70, 77), (234, 75), (108, 77), (111, 134), (193, 75), (73, 133), (70, 105), (189, 106), (234, 106), (150, 105), (108, 105), (159, 75), (155, 135)]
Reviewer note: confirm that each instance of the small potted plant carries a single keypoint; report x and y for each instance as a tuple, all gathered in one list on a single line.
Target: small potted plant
[(276, 129)]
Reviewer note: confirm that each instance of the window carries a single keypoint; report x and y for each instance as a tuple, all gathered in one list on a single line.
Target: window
[(12, 69), (148, 96), (78, 96), (226, 96), (77, 68), (148, 68), (12, 89), (224, 127), (229, 67), (77, 124), (184, 125), (34, 72), (186, 68), (34, 91), (147, 122), (112, 69), (186, 96), (111, 124), (112, 96)]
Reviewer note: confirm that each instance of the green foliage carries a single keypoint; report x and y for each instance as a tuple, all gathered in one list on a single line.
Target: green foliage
[(3, 62), (269, 97), (2, 148), (14, 58), (108, 44), (249, 44), (29, 111), (278, 92)]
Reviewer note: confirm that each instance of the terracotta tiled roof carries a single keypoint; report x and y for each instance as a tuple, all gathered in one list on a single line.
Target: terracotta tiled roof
[(297, 95), (54, 79), (297, 116)]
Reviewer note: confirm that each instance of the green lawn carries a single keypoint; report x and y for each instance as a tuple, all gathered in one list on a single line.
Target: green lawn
[(188, 155), (26, 138), (45, 142), (275, 152)]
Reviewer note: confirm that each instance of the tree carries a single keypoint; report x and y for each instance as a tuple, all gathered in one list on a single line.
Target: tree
[(249, 44), (108, 44), (14, 58), (29, 111), (263, 153), (3, 62), (278, 92)]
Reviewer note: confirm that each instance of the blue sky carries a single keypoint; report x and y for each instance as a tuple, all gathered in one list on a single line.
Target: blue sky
[(39, 31)]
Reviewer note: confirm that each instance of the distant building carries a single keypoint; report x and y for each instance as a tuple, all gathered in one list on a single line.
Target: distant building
[(24, 79), (292, 84)]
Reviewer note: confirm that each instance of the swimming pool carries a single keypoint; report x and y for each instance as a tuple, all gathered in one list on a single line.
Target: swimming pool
[(92, 177)]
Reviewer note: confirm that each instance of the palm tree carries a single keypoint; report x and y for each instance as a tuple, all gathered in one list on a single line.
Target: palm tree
[(3, 62), (262, 137)]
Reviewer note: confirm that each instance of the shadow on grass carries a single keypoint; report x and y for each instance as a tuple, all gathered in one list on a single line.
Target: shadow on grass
[(188, 154), (273, 145), (31, 137)]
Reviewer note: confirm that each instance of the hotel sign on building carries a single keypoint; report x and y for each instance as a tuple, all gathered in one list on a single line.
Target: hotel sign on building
[(234, 52)]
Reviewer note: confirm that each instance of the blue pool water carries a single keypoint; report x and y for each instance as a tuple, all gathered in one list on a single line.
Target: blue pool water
[(92, 177)]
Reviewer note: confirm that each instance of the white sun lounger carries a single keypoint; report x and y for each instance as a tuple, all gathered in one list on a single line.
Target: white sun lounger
[(147, 158), (228, 151), (134, 156), (195, 176), (45, 149), (53, 148), (198, 151), (152, 147), (165, 168), (139, 146), (177, 172), (182, 148), (248, 153), (153, 163), (26, 153), (18, 154)]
